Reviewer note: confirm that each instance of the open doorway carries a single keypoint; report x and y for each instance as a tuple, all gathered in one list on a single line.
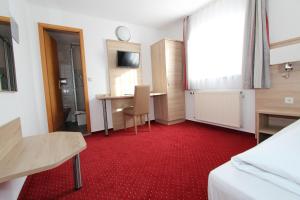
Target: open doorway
[(65, 79)]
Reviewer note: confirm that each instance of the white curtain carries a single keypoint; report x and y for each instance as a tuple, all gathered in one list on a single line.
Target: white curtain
[(215, 43)]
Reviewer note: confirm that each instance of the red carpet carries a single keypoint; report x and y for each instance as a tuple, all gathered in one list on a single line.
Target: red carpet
[(171, 162)]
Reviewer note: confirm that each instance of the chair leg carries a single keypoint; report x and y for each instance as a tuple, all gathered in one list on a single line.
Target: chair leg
[(135, 124), (141, 120), (124, 117), (149, 126)]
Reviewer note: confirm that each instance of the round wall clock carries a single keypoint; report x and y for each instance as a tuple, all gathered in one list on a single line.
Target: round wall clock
[(123, 33)]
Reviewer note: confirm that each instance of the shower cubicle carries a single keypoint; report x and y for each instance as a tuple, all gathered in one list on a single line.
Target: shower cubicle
[(77, 81), (71, 83), (7, 69)]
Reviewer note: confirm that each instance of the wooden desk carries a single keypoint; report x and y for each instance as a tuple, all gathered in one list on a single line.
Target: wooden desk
[(104, 98), (29, 155), (263, 126), (108, 97)]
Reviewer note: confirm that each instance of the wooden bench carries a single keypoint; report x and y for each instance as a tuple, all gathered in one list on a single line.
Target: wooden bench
[(23, 156)]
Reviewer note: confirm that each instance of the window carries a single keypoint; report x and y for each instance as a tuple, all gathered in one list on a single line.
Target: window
[(215, 45)]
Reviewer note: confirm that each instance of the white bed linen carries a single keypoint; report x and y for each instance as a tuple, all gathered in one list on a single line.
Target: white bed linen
[(228, 183), (277, 160)]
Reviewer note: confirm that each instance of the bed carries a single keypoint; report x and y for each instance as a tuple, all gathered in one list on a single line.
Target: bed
[(271, 170), (228, 183)]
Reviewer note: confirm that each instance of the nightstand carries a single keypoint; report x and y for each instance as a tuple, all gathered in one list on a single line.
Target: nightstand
[(265, 128)]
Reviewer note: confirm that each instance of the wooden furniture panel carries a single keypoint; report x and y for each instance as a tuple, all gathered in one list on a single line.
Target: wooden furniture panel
[(272, 113), (30, 155), (118, 104), (109, 97), (160, 108), (140, 107), (265, 127), (122, 80), (171, 108), (39, 153), (174, 66), (159, 76), (10, 135), (281, 88), (176, 104), (291, 41)]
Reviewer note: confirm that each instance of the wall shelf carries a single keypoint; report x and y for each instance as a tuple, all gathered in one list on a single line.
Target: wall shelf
[(265, 125), (270, 130)]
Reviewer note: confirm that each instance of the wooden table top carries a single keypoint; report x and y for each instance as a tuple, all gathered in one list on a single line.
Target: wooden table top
[(279, 111), (109, 97), (39, 153)]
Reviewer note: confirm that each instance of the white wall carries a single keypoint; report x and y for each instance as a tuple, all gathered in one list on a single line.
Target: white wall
[(21, 103), (4, 9), (284, 24), (284, 19), (174, 30), (29, 102), (96, 31)]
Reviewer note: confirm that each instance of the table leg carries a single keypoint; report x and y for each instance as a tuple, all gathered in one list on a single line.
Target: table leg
[(76, 172), (105, 116)]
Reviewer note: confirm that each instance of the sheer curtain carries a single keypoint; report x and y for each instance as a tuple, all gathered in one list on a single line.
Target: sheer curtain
[(215, 43)]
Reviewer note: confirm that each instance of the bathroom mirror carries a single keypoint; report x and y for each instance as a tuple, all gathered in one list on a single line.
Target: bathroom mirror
[(7, 65)]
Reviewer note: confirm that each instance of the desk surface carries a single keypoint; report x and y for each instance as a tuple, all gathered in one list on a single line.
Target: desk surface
[(108, 97), (39, 153)]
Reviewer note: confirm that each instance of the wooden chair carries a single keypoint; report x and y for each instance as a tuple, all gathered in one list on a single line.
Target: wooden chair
[(140, 107)]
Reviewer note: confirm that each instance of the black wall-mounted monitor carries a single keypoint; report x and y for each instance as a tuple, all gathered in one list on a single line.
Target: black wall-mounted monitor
[(128, 59)]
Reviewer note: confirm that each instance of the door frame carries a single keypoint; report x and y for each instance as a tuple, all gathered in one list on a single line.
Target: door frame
[(43, 27), (4, 20)]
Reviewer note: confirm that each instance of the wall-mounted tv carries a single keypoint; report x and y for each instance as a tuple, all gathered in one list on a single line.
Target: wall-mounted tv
[(128, 59)]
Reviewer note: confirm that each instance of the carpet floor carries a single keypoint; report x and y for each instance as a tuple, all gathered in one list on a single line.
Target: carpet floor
[(170, 162)]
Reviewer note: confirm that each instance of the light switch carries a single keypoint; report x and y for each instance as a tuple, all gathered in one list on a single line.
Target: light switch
[(289, 100)]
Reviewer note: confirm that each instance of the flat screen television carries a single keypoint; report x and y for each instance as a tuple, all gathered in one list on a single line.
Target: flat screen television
[(128, 59)]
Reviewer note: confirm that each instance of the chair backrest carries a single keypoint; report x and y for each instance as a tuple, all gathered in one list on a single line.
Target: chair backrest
[(141, 99), (10, 135)]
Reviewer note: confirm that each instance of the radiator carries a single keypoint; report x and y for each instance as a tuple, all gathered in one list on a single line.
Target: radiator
[(219, 107)]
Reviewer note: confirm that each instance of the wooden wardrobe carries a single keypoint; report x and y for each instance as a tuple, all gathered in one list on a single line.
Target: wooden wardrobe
[(167, 77)]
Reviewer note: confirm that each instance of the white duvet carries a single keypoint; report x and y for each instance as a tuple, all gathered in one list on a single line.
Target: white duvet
[(276, 160)]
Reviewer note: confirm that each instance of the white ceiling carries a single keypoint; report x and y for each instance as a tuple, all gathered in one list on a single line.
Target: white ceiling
[(153, 13)]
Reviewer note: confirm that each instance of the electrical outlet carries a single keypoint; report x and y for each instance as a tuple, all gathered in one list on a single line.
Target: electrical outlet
[(289, 100)]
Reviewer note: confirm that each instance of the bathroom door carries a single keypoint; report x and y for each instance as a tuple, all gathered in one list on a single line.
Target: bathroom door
[(57, 115)]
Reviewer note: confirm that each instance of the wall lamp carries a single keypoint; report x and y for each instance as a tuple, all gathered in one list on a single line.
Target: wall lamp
[(288, 67)]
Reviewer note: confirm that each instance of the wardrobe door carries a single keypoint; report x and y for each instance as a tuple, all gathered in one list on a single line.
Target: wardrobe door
[(159, 80), (158, 60), (176, 96)]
